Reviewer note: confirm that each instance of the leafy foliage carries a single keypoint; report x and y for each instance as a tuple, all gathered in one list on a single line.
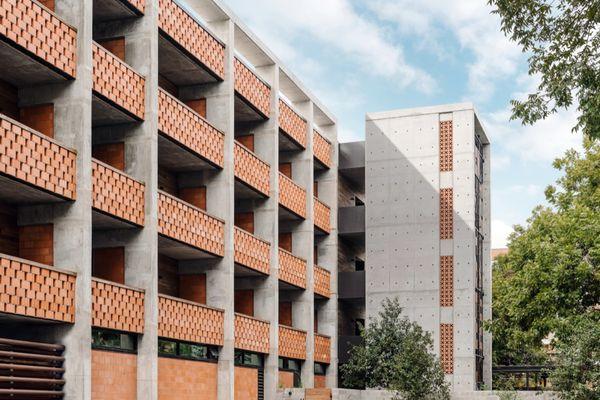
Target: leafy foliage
[(396, 355)]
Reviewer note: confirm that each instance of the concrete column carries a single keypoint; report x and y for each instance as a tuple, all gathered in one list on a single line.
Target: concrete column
[(487, 266)]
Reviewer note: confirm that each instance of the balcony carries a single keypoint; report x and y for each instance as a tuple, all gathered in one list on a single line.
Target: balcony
[(292, 343), (119, 91), (292, 197), (251, 172), (117, 307), (322, 149), (292, 269), (351, 224), (322, 349), (187, 232), (188, 321), (253, 95), (322, 279), (111, 10), (293, 127), (33, 167), (322, 216), (36, 46), (351, 285), (251, 334), (33, 290), (186, 141), (188, 53), (117, 198), (251, 252)]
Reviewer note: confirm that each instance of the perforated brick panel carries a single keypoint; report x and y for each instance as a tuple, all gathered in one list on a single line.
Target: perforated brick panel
[(184, 320), (322, 149), (187, 224), (35, 159), (139, 5), (292, 269), (191, 36), (251, 170), (446, 281), (293, 125), (446, 213), (117, 307), (251, 251), (35, 290), (117, 194), (292, 196), (322, 216), (251, 334), (447, 347), (322, 281), (182, 124), (40, 32), (322, 349), (446, 152), (252, 89), (117, 82), (292, 343)]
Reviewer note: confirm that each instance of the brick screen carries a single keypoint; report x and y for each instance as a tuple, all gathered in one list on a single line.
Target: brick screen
[(35, 159), (292, 196), (251, 170), (322, 216), (114, 375), (191, 322), (191, 36), (252, 89), (446, 281), (251, 334), (322, 149), (446, 213), (139, 5), (187, 380), (322, 279), (292, 343), (182, 124), (292, 124), (117, 194), (322, 349), (117, 307), (41, 33), (447, 347), (446, 152), (251, 251), (188, 224), (292, 269), (36, 290), (117, 82)]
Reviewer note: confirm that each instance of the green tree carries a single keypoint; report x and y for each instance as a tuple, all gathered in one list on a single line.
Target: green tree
[(396, 355), (562, 39)]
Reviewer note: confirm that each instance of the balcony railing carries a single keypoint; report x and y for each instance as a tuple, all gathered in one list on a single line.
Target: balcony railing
[(117, 83), (138, 5), (187, 224), (34, 159), (322, 216), (252, 252), (251, 170), (188, 321), (117, 194), (251, 334), (186, 127), (322, 278), (116, 306), (322, 349), (35, 290), (292, 343), (322, 149), (292, 269), (292, 124), (291, 196), (253, 90)]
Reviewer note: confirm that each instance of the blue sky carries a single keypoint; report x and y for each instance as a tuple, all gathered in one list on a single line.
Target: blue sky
[(375, 55)]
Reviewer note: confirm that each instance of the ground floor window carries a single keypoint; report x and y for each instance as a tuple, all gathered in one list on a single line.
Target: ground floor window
[(248, 359), (106, 339), (293, 366), (186, 350), (320, 369)]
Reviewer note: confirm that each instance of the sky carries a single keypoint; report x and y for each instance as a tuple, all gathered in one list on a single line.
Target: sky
[(377, 55)]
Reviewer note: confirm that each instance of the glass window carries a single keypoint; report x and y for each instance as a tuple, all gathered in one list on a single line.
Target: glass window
[(112, 340), (191, 351), (249, 359), (167, 347), (320, 369)]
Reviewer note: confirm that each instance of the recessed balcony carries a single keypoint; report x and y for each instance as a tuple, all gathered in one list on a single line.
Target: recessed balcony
[(251, 334), (110, 10), (322, 150), (293, 128), (251, 253), (322, 281), (292, 343), (117, 307), (251, 173), (292, 269), (322, 216), (292, 198), (322, 349), (253, 95)]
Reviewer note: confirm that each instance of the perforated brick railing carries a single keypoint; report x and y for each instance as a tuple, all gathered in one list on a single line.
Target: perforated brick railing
[(446, 213), (187, 32), (36, 290), (322, 216), (118, 83), (292, 343), (292, 196), (446, 281), (185, 320), (117, 307), (322, 278), (138, 5), (251, 251), (322, 149), (190, 225), (292, 124), (182, 124), (292, 269), (252, 89), (446, 151), (447, 347), (251, 334), (251, 170), (117, 194), (35, 159), (322, 349), (40, 33)]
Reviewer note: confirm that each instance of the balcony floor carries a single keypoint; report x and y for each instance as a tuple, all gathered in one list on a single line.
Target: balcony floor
[(181, 251), (6, 320), (179, 68), (287, 144), (17, 192), (243, 272), (22, 70), (104, 113), (102, 221), (175, 157), (246, 192), (245, 112), (110, 10)]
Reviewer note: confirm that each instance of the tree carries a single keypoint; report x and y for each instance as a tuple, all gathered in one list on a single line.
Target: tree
[(396, 355), (562, 38)]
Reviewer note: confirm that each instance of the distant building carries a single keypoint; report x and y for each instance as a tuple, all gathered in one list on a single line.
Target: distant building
[(499, 252)]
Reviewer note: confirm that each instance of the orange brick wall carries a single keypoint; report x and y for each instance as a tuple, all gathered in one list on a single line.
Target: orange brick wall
[(186, 380), (251, 251), (322, 349), (292, 343), (447, 347), (446, 151), (446, 213), (246, 383), (114, 375), (251, 334), (109, 264), (252, 89), (251, 170), (196, 196), (140, 5), (286, 379), (292, 196), (322, 149), (112, 154), (117, 307), (292, 124), (322, 216), (322, 281), (446, 281), (115, 45), (292, 269), (198, 106), (36, 243), (320, 381), (40, 118)]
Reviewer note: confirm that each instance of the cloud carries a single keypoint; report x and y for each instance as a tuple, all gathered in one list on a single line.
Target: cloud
[(500, 162), (500, 232), (529, 189)]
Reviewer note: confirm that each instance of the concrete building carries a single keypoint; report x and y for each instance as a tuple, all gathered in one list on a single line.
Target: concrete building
[(168, 207)]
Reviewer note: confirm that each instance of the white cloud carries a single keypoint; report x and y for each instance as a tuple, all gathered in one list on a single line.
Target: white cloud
[(529, 189), (500, 162), (500, 232)]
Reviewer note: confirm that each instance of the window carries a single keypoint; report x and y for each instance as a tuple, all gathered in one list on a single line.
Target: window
[(113, 340), (358, 202), (248, 359), (188, 351), (294, 366), (320, 369)]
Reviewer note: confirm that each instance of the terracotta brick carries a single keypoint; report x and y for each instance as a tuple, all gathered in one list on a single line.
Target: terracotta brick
[(114, 375), (186, 380), (246, 383), (39, 118), (292, 269), (109, 264), (286, 169), (446, 281), (115, 45), (36, 243), (244, 302), (252, 89), (247, 141), (447, 347), (196, 196), (198, 105), (446, 213), (286, 241), (192, 287), (112, 154), (446, 144), (322, 149), (251, 334), (322, 349), (292, 343), (286, 379), (320, 381), (292, 124), (117, 307), (322, 216), (285, 313), (251, 252), (291, 196), (245, 221), (322, 279), (251, 170)]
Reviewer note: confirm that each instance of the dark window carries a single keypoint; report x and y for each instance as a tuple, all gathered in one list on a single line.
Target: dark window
[(359, 265), (188, 351), (113, 340), (248, 359), (320, 369), (359, 324), (358, 202)]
